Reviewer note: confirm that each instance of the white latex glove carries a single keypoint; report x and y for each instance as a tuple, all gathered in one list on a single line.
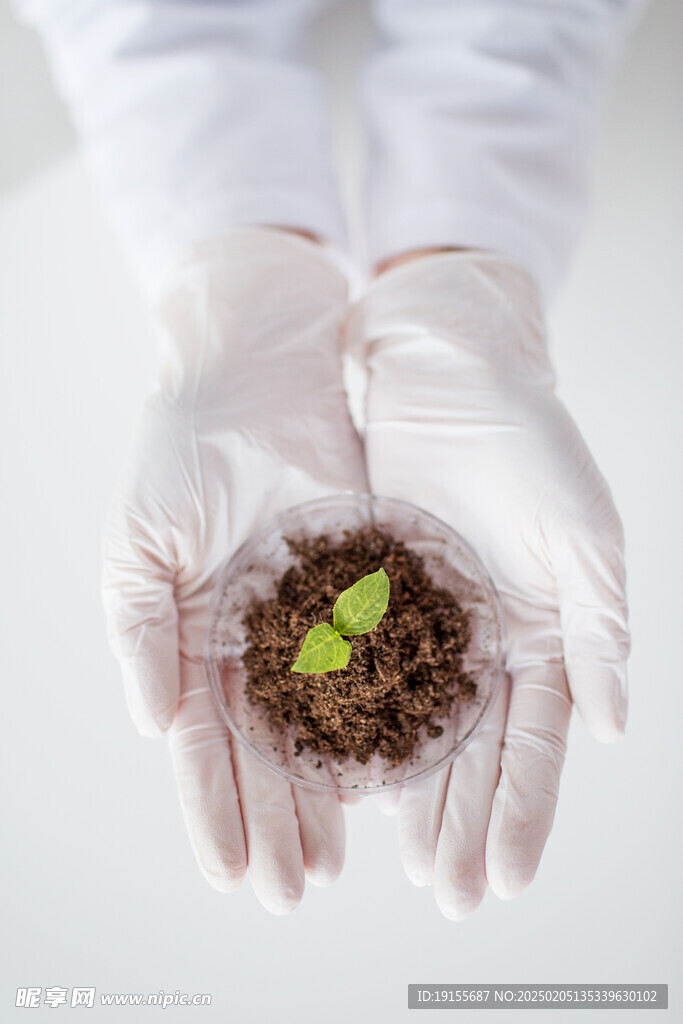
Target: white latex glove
[(250, 418), (462, 419)]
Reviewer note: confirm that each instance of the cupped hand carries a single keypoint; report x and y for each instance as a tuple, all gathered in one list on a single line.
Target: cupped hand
[(250, 417), (463, 420)]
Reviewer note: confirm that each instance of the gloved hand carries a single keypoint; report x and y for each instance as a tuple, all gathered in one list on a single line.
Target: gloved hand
[(250, 418), (462, 419)]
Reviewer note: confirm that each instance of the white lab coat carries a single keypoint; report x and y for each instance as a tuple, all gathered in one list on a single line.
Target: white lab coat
[(198, 115)]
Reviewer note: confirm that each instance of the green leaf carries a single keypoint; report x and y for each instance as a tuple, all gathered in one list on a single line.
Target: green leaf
[(360, 608), (322, 651)]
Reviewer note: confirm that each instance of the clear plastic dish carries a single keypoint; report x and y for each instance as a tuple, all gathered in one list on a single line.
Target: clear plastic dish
[(254, 571)]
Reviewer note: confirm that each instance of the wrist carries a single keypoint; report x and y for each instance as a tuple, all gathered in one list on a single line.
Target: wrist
[(258, 308), (413, 254), (472, 301)]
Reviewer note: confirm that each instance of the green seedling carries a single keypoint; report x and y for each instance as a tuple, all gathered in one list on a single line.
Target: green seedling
[(357, 610)]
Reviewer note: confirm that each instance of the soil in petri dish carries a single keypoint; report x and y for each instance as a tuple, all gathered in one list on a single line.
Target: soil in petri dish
[(402, 676)]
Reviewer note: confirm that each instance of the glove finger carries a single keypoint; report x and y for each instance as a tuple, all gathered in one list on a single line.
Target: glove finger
[(322, 834), (531, 763), (199, 744), (460, 862), (389, 802), (419, 822), (591, 582), (276, 862), (142, 621), (348, 798)]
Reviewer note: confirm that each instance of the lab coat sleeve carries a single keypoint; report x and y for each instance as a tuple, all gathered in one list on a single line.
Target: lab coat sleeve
[(196, 116), (481, 120)]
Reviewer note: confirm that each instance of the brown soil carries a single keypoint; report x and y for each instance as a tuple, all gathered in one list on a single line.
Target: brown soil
[(401, 676)]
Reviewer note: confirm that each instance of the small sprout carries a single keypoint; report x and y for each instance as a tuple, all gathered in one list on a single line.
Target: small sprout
[(357, 610), (323, 650), (360, 608)]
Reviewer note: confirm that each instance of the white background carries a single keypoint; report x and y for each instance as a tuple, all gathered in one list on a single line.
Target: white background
[(100, 884)]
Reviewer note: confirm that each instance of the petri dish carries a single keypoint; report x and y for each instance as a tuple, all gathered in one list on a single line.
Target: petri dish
[(254, 571)]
